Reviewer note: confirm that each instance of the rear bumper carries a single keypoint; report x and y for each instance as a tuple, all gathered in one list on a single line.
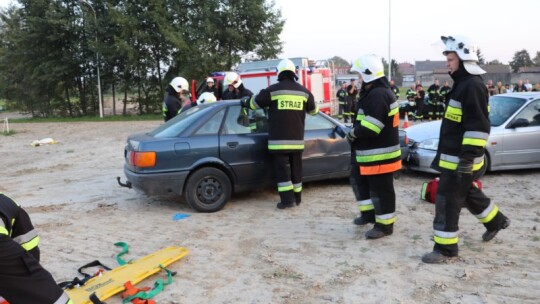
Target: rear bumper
[(157, 183)]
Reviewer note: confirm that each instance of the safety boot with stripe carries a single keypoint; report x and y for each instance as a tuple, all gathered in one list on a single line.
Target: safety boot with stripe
[(367, 217), (490, 234), (379, 231), (435, 257)]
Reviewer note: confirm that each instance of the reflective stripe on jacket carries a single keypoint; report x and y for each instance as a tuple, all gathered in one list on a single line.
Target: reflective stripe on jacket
[(15, 224), (376, 146), (465, 127)]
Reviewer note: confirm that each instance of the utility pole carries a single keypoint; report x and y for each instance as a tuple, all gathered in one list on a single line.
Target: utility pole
[(389, 40), (97, 59)]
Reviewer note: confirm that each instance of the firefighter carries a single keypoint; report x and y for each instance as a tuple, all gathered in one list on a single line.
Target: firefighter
[(420, 113), (460, 156), (394, 89), (210, 87), (410, 108), (433, 101), (342, 99), (443, 93), (377, 154), (287, 102), (177, 94), (350, 108), (22, 278), (235, 87)]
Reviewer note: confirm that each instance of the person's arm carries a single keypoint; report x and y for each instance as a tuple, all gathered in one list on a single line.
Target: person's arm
[(311, 106), (475, 121), (376, 113)]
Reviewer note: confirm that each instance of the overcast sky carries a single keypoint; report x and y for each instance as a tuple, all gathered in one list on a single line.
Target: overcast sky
[(349, 28)]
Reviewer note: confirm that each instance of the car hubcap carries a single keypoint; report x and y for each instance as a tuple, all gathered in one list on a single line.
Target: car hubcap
[(209, 190)]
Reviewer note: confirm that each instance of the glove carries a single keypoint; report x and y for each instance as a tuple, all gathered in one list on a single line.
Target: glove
[(351, 137), (244, 101), (243, 118)]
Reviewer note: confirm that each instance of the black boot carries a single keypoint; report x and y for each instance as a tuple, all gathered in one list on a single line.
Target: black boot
[(298, 198), (490, 234), (367, 217), (284, 205), (379, 231), (435, 257)]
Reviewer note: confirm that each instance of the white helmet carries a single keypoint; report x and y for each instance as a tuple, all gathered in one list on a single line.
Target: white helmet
[(231, 78), (466, 50), (180, 84), (369, 66), (206, 97), (209, 79)]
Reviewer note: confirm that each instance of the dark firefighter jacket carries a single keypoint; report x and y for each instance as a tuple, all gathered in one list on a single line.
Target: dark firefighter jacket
[(341, 96), (171, 104), (287, 102), (433, 93), (376, 145), (15, 224), (443, 92), (465, 126)]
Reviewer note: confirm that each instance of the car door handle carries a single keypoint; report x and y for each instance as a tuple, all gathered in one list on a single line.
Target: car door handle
[(232, 144)]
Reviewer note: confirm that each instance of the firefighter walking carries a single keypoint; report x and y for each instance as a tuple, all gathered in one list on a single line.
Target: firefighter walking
[(460, 156), (377, 154), (22, 279), (342, 99), (287, 102)]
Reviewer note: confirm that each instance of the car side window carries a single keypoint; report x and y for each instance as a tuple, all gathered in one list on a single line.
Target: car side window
[(240, 122), (318, 122), (531, 113), (212, 125)]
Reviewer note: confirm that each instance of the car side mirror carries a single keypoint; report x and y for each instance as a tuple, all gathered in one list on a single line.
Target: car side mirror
[(519, 123)]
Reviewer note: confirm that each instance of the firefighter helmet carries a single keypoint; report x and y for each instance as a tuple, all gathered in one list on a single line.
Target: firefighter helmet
[(286, 65), (180, 84), (209, 79), (231, 78), (466, 50), (206, 97), (369, 66)]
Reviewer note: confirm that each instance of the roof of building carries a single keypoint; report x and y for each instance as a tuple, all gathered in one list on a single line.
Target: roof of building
[(406, 68), (496, 68), (529, 70), (429, 66)]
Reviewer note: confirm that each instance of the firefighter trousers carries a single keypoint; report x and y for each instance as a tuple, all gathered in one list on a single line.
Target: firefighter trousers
[(288, 171), (23, 280), (455, 192), (375, 193)]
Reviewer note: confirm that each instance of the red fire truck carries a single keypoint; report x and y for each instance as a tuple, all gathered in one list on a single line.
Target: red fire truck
[(315, 76)]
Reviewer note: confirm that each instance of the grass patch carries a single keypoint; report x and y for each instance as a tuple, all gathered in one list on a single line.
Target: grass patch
[(9, 133), (89, 118), (536, 238)]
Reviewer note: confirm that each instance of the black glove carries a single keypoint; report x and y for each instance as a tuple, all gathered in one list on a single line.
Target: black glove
[(351, 137), (244, 101), (243, 118)]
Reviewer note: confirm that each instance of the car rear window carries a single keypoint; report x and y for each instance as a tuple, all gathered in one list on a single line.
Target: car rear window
[(177, 125), (502, 107)]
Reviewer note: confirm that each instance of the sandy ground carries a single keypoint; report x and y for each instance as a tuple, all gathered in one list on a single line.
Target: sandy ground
[(250, 252)]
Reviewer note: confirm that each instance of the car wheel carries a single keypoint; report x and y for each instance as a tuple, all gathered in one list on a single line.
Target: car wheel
[(208, 190)]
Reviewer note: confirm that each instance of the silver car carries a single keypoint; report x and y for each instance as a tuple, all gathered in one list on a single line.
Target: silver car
[(514, 141)]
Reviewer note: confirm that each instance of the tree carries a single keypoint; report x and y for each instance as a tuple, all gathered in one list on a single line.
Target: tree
[(481, 59), (521, 59), (339, 61), (536, 59), (493, 62), (395, 68)]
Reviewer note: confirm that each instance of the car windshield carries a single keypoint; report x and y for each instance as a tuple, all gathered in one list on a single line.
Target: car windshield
[(502, 107), (175, 126)]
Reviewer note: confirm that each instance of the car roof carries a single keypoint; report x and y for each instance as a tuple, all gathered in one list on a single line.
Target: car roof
[(526, 95)]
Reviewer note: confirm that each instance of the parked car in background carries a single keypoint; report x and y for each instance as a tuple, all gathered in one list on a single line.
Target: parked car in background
[(514, 141), (210, 151)]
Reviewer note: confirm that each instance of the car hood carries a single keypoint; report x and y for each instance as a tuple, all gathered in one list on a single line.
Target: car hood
[(423, 131)]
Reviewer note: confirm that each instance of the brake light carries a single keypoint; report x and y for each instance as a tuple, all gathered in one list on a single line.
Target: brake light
[(142, 159)]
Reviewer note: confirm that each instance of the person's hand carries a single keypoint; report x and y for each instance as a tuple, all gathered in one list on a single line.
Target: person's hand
[(351, 137), (464, 167), (244, 101)]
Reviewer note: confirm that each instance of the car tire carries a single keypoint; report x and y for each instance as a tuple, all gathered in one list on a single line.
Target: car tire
[(208, 190)]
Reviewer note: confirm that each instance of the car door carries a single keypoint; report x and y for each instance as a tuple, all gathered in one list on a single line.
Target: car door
[(243, 144), (521, 145), (325, 152)]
